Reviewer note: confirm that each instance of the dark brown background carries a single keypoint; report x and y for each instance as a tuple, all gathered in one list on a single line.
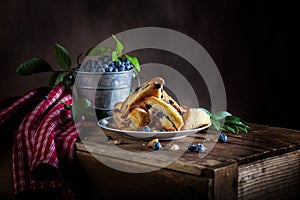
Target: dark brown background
[(250, 43)]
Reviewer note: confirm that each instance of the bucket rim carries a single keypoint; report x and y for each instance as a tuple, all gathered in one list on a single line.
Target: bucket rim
[(101, 73)]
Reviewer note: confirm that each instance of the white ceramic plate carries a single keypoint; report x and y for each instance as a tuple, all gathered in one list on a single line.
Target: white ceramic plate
[(109, 124)]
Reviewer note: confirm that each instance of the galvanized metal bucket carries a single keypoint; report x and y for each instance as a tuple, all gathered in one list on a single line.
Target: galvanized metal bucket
[(103, 89)]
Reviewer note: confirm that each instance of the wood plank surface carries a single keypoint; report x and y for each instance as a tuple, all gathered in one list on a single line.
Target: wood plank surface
[(261, 142), (270, 178), (233, 167), (99, 181)]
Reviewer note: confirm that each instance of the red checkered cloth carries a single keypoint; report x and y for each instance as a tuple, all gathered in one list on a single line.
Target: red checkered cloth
[(12, 105), (44, 143)]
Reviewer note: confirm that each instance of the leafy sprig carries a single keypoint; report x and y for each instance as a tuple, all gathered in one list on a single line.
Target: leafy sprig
[(63, 59), (118, 52), (230, 122), (38, 65), (80, 107)]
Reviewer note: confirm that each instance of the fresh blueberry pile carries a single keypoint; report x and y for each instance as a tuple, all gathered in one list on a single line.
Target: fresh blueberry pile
[(222, 137), (104, 64), (199, 148)]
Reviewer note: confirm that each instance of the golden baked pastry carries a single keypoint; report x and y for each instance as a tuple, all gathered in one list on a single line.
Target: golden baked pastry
[(116, 111), (168, 99), (163, 116), (152, 108), (152, 87), (135, 120), (195, 118)]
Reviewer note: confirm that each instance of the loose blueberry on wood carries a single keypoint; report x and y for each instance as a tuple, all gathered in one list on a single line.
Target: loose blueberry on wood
[(222, 137), (109, 138), (192, 147), (200, 148), (156, 146)]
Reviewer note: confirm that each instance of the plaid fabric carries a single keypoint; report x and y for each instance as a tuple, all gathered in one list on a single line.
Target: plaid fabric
[(13, 105), (43, 145)]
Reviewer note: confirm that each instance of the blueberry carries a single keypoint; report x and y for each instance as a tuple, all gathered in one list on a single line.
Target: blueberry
[(127, 66), (196, 148), (156, 146), (105, 66), (121, 69), (192, 147), (109, 69), (112, 64), (118, 63), (222, 137), (109, 138), (88, 68), (115, 69), (200, 148), (126, 61), (146, 129)]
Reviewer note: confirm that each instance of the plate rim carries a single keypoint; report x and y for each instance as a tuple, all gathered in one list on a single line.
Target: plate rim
[(129, 132)]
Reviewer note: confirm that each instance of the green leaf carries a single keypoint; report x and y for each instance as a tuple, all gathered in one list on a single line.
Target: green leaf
[(243, 128), (33, 66), (134, 61), (235, 121), (114, 56), (97, 51), (221, 114), (215, 123), (62, 57), (81, 107), (81, 103), (55, 78), (119, 46), (101, 114), (205, 110), (232, 129)]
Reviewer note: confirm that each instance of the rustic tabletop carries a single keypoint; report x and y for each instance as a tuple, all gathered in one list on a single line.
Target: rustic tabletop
[(266, 157)]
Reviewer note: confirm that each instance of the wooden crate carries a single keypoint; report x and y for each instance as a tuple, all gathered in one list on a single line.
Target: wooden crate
[(261, 164)]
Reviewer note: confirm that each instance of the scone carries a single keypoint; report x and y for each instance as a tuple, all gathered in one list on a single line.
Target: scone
[(163, 116), (195, 118), (168, 99), (116, 111), (152, 87), (136, 120)]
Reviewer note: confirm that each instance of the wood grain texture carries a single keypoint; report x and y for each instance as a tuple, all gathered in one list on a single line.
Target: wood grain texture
[(257, 164), (270, 178), (102, 182)]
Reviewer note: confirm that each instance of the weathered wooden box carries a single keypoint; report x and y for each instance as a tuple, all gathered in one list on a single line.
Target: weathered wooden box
[(261, 164)]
